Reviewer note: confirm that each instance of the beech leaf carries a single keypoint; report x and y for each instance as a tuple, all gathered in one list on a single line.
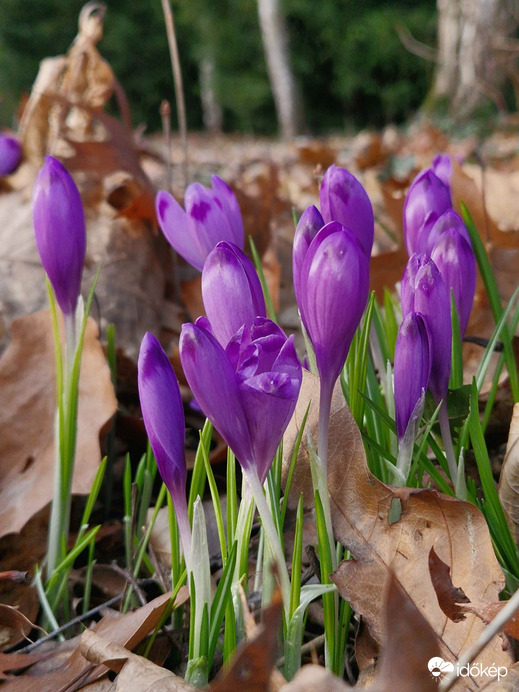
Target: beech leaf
[(27, 382)]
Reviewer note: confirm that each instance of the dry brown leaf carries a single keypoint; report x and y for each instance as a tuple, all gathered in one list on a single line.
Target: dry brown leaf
[(313, 677), (135, 673), (449, 596), (410, 643), (27, 382), (126, 630), (252, 666), (509, 478), (13, 619), (9, 663)]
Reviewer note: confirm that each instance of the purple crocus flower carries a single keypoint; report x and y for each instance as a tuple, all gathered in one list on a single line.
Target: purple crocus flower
[(332, 281), (10, 154), (449, 220), (442, 166), (412, 368), (248, 390), (307, 228), (426, 200), (343, 199), (453, 255), (163, 414), (423, 291), (59, 227), (231, 291), (211, 215)]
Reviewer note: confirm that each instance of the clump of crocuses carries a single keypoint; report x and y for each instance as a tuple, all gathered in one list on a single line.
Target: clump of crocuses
[(210, 215)]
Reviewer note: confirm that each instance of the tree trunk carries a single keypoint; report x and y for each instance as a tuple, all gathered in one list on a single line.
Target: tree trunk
[(284, 89), (211, 109), (473, 55)]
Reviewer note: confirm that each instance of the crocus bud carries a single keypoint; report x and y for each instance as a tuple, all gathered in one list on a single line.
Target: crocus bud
[(449, 220), (248, 391), (412, 368), (211, 215), (59, 227), (10, 154), (333, 284), (163, 415), (343, 199), (231, 291), (426, 200), (455, 260), (442, 166), (423, 291)]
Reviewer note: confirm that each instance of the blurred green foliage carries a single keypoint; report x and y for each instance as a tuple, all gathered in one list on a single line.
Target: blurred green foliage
[(351, 66)]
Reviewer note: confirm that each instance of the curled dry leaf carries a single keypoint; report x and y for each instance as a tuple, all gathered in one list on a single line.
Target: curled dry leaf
[(135, 673), (12, 619), (450, 599), (27, 382), (509, 479)]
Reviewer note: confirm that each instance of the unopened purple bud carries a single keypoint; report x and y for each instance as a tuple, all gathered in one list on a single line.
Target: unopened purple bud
[(448, 221), (455, 260), (231, 291), (412, 368), (163, 413), (211, 215), (426, 200), (59, 228), (423, 291), (333, 283), (10, 154), (343, 199)]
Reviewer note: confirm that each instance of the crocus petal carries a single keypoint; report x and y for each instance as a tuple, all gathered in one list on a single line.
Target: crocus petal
[(231, 291), (231, 208), (449, 220), (426, 200), (442, 166), (423, 291), (10, 154), (174, 224), (307, 228), (163, 415), (269, 401), (213, 382), (412, 367), (59, 228), (456, 262), (207, 219), (343, 199), (334, 282)]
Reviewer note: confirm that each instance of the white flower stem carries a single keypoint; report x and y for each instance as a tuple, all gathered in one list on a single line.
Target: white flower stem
[(271, 535)]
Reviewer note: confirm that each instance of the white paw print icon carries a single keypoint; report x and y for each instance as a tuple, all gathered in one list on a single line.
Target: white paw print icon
[(438, 666)]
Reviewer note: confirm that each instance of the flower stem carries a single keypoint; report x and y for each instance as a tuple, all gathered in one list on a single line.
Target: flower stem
[(271, 536)]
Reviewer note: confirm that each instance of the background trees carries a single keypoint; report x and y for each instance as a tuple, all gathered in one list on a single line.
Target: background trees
[(349, 66)]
